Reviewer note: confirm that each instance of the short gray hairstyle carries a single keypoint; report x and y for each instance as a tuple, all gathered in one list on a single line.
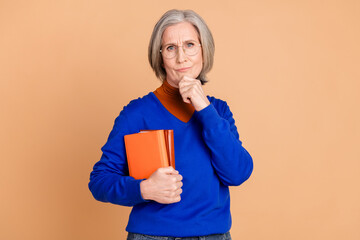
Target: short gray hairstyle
[(173, 17)]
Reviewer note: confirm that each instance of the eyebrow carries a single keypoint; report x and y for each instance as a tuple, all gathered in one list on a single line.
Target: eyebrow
[(171, 43)]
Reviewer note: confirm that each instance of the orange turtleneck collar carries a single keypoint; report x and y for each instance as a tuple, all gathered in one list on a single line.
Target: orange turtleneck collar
[(171, 99)]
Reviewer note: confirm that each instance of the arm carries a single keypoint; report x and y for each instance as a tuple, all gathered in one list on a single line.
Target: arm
[(231, 161), (109, 180)]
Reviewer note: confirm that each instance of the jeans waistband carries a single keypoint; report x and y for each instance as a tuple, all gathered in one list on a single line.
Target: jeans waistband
[(136, 236)]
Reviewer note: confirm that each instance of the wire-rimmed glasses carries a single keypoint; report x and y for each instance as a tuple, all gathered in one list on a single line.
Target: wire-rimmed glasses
[(190, 48)]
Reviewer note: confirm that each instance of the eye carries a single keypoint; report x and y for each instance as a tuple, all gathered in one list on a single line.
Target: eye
[(170, 48), (189, 45)]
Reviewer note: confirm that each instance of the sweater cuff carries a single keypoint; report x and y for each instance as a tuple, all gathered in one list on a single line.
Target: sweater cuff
[(135, 192), (208, 116)]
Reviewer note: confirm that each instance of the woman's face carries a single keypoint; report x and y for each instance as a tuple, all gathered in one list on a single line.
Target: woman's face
[(181, 65)]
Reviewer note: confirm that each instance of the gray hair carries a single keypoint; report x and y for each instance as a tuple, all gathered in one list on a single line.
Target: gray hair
[(173, 17)]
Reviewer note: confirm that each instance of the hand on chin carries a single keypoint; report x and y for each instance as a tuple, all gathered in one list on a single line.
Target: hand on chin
[(192, 92)]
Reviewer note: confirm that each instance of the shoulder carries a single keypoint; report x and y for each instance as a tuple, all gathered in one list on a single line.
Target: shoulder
[(139, 105), (132, 115)]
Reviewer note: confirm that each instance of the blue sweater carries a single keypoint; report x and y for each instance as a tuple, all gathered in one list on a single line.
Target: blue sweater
[(208, 154)]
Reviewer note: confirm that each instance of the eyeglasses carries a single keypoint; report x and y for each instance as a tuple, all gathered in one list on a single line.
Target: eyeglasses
[(190, 48)]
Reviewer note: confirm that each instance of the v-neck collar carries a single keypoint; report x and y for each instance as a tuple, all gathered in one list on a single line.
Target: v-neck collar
[(169, 113)]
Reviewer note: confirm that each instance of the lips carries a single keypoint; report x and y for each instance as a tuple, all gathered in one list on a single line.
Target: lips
[(182, 69)]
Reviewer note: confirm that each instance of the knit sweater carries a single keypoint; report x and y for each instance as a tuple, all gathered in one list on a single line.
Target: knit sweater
[(208, 154)]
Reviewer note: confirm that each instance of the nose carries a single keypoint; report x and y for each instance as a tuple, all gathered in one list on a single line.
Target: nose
[(181, 56)]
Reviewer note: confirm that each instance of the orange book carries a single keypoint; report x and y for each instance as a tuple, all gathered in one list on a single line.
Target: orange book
[(149, 150)]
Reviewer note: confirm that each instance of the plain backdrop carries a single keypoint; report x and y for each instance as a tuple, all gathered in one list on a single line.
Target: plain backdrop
[(290, 71)]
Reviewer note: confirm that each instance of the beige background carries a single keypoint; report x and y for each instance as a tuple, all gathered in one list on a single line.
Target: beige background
[(288, 69)]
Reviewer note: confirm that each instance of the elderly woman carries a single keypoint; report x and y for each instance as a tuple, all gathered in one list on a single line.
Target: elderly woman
[(191, 202)]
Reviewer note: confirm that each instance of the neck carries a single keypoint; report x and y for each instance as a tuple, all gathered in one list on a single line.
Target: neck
[(170, 90), (171, 99), (174, 85)]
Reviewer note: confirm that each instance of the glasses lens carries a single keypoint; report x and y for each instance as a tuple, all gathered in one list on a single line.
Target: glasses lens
[(169, 51), (189, 48)]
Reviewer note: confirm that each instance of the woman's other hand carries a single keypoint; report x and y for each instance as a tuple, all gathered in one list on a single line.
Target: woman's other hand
[(163, 186), (192, 92)]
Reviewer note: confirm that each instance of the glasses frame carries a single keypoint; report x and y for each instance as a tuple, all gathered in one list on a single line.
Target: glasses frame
[(177, 49)]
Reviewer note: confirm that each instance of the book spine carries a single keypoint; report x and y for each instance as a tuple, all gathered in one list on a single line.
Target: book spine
[(162, 148), (169, 138)]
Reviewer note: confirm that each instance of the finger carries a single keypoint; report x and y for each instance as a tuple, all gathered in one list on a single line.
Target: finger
[(179, 178), (178, 185), (174, 179), (193, 88), (175, 193), (173, 199), (187, 81), (179, 191), (185, 87), (190, 79), (186, 99), (175, 196), (188, 94), (187, 91), (175, 188), (169, 200), (168, 170), (171, 196)]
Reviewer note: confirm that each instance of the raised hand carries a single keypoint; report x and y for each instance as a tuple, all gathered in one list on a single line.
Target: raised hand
[(192, 92)]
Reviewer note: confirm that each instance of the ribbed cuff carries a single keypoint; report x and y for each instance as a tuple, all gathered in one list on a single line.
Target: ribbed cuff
[(135, 191)]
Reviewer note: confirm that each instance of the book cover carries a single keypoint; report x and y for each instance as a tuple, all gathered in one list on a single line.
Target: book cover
[(149, 150)]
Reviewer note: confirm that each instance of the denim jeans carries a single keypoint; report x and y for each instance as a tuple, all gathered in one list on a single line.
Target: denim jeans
[(135, 236)]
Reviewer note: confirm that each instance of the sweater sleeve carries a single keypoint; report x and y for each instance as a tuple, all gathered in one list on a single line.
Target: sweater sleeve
[(232, 163), (109, 180)]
